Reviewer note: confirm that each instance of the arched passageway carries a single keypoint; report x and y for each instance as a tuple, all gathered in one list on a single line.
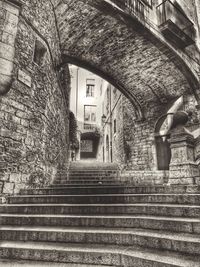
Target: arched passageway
[(98, 37), (103, 39)]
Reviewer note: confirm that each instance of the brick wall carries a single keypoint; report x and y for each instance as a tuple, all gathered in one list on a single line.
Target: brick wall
[(34, 113)]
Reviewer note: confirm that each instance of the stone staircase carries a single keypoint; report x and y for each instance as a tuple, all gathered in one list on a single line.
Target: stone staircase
[(95, 219)]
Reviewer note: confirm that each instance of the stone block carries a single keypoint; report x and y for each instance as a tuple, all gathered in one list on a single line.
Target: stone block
[(6, 51), (8, 188), (11, 7), (15, 178), (6, 66), (10, 25), (4, 176)]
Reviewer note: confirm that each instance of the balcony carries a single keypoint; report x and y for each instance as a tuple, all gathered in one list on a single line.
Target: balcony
[(136, 7), (90, 127), (175, 25)]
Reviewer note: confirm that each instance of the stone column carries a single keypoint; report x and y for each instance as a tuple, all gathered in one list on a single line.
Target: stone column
[(183, 169), (9, 17), (197, 151)]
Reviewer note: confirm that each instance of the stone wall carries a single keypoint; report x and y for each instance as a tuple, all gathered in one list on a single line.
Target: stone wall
[(138, 138), (118, 142), (34, 113), (133, 143)]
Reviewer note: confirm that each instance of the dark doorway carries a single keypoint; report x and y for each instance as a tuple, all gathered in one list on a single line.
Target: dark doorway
[(163, 152), (162, 135), (89, 145)]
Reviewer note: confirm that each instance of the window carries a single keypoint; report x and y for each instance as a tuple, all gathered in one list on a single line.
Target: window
[(39, 53), (115, 126), (108, 100), (90, 87), (90, 114), (101, 88)]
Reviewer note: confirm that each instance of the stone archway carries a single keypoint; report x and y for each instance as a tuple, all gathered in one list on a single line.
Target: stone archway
[(97, 36), (145, 68)]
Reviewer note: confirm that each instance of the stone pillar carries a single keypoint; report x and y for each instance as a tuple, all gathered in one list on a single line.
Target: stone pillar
[(183, 169), (9, 17), (197, 151)]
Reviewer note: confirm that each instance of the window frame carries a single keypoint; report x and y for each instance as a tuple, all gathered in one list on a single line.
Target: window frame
[(90, 88), (90, 121)]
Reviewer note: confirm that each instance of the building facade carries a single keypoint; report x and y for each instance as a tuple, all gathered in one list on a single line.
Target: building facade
[(86, 91)]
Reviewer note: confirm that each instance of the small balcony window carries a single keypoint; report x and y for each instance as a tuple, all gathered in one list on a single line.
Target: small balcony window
[(175, 25), (39, 53)]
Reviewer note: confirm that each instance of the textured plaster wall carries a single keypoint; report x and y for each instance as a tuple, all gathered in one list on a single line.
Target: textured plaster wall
[(34, 113)]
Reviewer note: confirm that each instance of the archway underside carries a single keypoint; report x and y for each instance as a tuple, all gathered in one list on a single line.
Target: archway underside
[(119, 49)]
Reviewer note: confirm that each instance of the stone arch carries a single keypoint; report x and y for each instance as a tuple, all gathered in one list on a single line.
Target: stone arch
[(108, 78), (115, 45)]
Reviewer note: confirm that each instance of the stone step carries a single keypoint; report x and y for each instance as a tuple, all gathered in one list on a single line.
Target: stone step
[(86, 182), (74, 190), (90, 178), (21, 263), (92, 165), (94, 254), (140, 208), (107, 198), (172, 224), (90, 184), (104, 189), (159, 240), (91, 173)]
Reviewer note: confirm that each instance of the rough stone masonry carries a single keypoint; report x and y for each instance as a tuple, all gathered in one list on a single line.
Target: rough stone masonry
[(34, 113)]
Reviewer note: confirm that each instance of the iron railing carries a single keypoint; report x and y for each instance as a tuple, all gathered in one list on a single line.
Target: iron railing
[(136, 7), (88, 126), (170, 12)]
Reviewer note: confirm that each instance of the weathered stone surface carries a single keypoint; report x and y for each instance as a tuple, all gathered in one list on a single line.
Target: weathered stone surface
[(8, 188), (183, 168), (34, 114), (9, 18)]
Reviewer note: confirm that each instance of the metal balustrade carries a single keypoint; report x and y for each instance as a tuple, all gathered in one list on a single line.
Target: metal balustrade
[(88, 126), (138, 8)]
